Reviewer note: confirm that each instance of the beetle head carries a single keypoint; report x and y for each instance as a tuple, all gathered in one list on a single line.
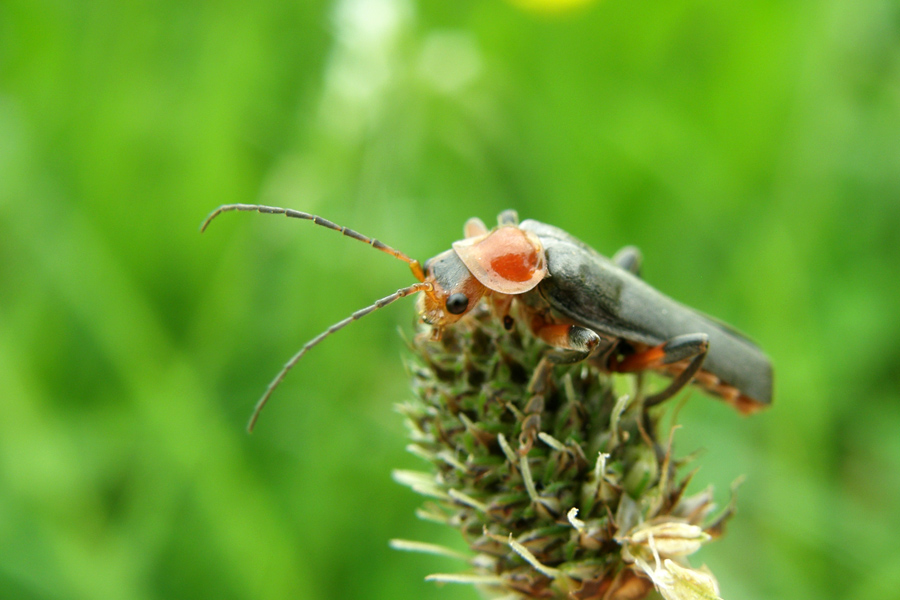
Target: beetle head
[(454, 291)]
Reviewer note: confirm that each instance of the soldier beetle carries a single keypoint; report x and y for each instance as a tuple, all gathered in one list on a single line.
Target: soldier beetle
[(584, 306)]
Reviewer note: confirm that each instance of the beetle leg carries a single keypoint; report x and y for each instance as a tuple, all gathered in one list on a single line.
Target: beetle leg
[(500, 305), (630, 259), (474, 227), (572, 343), (508, 217), (538, 383), (531, 423), (693, 346)]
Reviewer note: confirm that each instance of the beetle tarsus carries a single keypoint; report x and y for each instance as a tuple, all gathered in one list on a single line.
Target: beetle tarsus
[(538, 383)]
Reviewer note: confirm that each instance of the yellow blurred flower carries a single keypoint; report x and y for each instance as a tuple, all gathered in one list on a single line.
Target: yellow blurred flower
[(550, 6)]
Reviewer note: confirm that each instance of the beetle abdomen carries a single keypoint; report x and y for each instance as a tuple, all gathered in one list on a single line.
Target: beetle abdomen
[(588, 289)]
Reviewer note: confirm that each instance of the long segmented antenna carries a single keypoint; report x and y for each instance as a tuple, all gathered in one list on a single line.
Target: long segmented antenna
[(416, 287), (297, 214)]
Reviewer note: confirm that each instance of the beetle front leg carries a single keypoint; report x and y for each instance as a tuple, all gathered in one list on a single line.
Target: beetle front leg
[(693, 347), (572, 343), (500, 307), (474, 227)]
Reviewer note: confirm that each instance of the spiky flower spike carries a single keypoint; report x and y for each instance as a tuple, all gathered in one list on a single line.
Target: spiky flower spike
[(561, 486)]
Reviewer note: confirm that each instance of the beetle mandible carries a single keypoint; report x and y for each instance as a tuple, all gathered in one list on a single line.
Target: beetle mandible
[(584, 306)]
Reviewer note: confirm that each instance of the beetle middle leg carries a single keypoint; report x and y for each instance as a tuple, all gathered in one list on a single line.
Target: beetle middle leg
[(692, 347), (570, 344), (630, 259)]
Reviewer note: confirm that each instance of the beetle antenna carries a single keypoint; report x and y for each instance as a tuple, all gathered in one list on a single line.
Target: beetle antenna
[(296, 214), (416, 287)]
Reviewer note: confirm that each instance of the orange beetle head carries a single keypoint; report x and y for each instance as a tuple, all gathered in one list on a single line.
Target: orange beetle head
[(454, 291)]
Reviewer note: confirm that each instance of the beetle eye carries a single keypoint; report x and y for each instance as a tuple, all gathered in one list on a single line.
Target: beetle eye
[(457, 304)]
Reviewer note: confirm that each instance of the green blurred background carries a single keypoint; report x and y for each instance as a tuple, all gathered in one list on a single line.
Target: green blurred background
[(752, 150)]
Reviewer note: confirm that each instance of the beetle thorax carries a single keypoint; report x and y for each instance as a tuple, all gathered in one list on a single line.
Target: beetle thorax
[(508, 259)]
